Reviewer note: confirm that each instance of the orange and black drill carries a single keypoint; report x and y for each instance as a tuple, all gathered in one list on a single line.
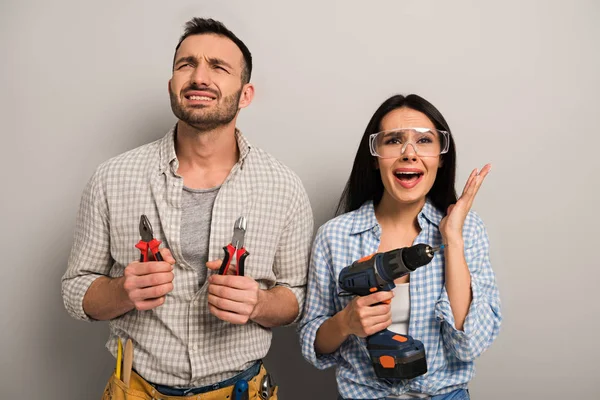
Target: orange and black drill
[(394, 356)]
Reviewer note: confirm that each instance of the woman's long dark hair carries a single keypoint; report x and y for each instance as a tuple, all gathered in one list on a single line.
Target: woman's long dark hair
[(365, 180)]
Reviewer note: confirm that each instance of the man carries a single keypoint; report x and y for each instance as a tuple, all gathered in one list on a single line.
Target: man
[(194, 330)]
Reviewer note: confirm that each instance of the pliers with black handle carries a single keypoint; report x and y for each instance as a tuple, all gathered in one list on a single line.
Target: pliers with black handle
[(235, 249)]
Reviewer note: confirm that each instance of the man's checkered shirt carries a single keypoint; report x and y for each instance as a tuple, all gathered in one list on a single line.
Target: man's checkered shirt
[(180, 343)]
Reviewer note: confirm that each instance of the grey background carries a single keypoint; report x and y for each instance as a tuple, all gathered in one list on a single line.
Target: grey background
[(517, 81)]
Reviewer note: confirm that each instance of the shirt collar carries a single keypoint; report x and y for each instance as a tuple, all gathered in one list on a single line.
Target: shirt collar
[(168, 157), (431, 213), (167, 150), (364, 217), (243, 145)]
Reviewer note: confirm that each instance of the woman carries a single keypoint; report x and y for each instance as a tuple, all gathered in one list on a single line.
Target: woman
[(401, 192)]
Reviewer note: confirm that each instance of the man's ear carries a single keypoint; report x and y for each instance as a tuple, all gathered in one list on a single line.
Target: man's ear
[(169, 87), (247, 95)]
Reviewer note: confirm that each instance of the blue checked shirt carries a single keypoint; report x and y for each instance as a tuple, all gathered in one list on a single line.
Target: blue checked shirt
[(450, 352)]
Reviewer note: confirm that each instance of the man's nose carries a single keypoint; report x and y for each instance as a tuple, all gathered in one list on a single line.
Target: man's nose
[(201, 75), (409, 152)]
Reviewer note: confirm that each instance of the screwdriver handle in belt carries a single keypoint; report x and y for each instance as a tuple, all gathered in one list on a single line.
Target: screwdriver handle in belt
[(240, 390)]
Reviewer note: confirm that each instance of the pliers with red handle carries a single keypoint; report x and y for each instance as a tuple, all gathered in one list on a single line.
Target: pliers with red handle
[(235, 249), (148, 242)]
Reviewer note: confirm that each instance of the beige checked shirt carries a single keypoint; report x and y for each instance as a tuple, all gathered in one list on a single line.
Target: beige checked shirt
[(180, 343)]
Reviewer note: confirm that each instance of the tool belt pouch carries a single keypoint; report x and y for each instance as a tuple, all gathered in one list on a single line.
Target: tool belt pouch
[(116, 390), (139, 389)]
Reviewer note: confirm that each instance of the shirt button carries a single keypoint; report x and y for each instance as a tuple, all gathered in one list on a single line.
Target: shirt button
[(195, 348)]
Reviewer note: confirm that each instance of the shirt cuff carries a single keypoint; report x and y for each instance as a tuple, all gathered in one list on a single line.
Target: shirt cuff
[(443, 312), (300, 293), (308, 334), (73, 292)]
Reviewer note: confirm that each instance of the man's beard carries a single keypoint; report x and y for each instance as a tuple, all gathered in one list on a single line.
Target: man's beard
[(206, 120)]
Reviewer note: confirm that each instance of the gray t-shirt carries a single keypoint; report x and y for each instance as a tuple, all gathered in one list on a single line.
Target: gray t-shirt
[(196, 215)]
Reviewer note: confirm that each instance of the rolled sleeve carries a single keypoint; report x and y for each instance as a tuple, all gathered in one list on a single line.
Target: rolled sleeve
[(484, 318), (319, 306), (292, 256), (90, 255)]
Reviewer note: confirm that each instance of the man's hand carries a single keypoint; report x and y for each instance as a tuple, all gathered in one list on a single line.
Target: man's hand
[(232, 298), (147, 283)]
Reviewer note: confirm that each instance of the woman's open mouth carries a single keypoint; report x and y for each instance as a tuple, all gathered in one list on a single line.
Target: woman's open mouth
[(408, 179)]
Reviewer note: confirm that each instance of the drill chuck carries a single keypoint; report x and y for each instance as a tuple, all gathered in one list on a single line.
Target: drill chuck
[(399, 262)]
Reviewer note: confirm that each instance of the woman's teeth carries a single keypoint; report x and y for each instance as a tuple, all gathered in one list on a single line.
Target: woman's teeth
[(407, 176)]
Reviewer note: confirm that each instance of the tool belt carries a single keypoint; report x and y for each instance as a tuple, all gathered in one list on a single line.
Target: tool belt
[(139, 389)]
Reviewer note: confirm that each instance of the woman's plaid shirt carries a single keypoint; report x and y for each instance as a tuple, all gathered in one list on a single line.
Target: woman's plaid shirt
[(450, 352)]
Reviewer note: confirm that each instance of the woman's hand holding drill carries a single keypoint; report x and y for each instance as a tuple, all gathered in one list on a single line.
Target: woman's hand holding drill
[(367, 315)]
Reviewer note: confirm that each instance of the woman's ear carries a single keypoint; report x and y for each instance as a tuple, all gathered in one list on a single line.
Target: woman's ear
[(441, 164), (375, 162)]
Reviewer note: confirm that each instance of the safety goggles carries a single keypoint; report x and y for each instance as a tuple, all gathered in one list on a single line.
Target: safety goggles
[(426, 142)]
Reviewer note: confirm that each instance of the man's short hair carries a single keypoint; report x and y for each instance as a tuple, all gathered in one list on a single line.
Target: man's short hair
[(199, 26)]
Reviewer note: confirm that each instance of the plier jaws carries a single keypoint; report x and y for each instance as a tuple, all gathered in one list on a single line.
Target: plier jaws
[(235, 249), (148, 242)]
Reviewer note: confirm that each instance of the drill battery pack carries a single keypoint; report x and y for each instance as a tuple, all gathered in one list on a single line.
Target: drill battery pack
[(395, 356)]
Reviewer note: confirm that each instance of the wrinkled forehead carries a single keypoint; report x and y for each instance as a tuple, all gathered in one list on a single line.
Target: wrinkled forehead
[(211, 46), (405, 118), (409, 131)]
